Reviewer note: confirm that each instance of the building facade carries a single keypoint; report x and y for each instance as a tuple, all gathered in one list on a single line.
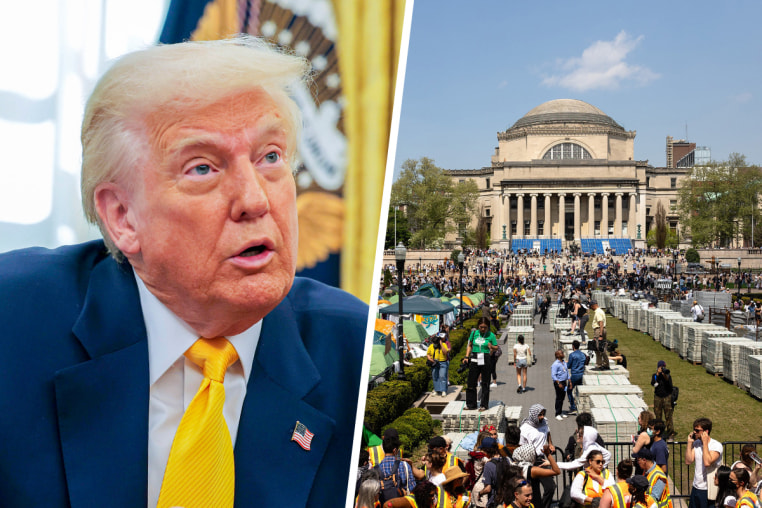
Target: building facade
[(566, 172)]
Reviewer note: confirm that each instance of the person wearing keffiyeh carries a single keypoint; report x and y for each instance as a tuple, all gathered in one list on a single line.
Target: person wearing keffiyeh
[(535, 432)]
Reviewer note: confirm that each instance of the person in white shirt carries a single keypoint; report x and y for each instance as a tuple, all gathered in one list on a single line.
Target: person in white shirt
[(535, 431), (697, 311), (707, 455), (521, 356)]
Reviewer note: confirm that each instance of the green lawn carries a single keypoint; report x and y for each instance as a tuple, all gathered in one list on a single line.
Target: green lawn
[(735, 415)]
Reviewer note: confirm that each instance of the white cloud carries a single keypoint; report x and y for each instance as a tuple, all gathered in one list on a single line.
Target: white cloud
[(743, 98), (503, 84), (602, 66)]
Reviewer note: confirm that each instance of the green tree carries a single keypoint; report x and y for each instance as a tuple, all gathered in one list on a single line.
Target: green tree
[(434, 204), (396, 225), (718, 201), (482, 232), (660, 226), (692, 255)]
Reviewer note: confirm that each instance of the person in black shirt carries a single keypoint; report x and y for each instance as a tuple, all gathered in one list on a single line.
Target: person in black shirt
[(662, 383)]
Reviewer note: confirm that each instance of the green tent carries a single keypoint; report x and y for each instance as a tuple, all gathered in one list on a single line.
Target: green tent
[(414, 331), (379, 361), (429, 290)]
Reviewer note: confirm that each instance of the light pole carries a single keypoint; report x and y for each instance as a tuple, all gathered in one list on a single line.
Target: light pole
[(461, 258), (738, 297), (399, 254)]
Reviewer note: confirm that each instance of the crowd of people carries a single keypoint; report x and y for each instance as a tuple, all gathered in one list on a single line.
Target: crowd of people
[(521, 470)]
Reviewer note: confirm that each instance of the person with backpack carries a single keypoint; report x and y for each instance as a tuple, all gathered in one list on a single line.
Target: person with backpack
[(486, 485), (396, 475), (663, 408), (424, 495), (697, 311)]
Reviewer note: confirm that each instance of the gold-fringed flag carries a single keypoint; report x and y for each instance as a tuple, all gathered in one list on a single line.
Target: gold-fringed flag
[(353, 48)]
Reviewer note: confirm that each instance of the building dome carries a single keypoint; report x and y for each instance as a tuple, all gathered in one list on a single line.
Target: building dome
[(565, 111)]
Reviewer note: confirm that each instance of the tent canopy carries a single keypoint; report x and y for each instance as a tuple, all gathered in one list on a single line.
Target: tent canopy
[(428, 290), (418, 305)]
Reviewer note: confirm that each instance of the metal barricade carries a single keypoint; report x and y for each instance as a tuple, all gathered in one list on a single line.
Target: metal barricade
[(679, 473)]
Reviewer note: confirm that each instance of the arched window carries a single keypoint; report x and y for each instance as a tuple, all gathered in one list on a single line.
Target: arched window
[(566, 151)]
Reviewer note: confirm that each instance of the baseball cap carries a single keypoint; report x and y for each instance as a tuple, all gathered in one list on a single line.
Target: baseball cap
[(488, 442), (644, 453), (661, 363), (638, 481)]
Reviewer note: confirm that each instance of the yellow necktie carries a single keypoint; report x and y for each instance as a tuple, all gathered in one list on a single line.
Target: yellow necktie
[(200, 471)]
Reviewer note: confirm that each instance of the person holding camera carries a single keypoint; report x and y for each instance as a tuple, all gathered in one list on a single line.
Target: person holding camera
[(662, 383), (480, 343), (437, 357)]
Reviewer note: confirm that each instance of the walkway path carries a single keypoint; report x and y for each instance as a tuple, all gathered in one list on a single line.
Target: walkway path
[(539, 384)]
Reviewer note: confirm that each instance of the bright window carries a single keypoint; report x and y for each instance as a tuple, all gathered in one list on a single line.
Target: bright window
[(566, 151)]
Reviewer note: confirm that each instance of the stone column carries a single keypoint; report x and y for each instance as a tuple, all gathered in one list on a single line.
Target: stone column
[(591, 214), (618, 216), (604, 215), (561, 215), (507, 214), (632, 221), (547, 232), (533, 216), (577, 217), (520, 216)]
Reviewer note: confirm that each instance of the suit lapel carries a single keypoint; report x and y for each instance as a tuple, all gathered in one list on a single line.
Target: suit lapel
[(103, 403), (283, 374)]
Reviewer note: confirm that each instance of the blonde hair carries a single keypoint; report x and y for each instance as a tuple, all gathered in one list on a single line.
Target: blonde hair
[(180, 77)]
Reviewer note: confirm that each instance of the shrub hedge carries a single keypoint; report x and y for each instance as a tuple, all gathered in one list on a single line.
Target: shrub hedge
[(388, 401), (414, 427)]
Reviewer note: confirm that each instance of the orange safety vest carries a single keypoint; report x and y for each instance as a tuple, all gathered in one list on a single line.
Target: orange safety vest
[(592, 488), (649, 502), (461, 501), (619, 492), (748, 500), (655, 475), (411, 500), (376, 455), (452, 461)]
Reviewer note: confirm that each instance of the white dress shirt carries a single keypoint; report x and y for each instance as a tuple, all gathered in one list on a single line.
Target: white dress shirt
[(174, 380)]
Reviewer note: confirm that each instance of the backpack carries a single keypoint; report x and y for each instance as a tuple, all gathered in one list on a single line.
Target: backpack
[(390, 485), (566, 500)]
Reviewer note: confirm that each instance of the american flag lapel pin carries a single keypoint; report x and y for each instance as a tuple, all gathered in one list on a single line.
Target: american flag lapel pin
[(302, 435)]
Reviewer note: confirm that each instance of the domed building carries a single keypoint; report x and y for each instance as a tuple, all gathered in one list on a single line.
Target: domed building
[(565, 172)]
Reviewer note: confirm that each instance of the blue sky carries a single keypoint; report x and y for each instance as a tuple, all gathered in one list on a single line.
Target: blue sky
[(474, 68)]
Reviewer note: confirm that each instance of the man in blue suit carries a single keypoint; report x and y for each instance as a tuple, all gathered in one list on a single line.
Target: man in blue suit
[(187, 154)]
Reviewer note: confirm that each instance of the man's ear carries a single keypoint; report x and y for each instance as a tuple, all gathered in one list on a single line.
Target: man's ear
[(113, 204)]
